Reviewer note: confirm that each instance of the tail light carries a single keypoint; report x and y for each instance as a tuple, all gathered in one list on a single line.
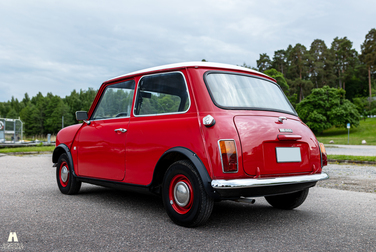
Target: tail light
[(229, 157), (324, 156)]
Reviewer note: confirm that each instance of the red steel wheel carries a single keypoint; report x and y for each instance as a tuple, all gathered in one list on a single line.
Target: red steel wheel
[(64, 174), (66, 181), (184, 197), (181, 194)]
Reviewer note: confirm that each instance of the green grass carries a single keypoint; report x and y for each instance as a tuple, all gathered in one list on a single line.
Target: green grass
[(353, 158), (27, 149), (365, 131)]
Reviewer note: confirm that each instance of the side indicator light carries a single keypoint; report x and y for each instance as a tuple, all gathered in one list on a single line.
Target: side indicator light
[(229, 155), (324, 156), (322, 148)]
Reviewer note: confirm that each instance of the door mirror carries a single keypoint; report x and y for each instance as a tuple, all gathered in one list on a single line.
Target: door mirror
[(81, 115)]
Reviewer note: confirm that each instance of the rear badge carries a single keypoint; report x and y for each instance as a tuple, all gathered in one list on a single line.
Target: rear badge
[(285, 130)]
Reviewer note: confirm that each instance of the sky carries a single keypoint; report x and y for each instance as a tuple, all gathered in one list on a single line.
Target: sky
[(58, 46)]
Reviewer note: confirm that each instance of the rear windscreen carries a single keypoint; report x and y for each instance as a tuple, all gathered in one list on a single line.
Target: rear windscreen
[(236, 91)]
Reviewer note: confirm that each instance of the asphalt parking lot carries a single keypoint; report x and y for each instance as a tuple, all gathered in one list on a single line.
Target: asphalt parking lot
[(101, 219)]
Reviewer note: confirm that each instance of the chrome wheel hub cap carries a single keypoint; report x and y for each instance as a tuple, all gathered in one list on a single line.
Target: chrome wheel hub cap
[(64, 174), (181, 194)]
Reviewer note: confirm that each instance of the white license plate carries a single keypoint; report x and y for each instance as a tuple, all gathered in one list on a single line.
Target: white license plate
[(288, 154)]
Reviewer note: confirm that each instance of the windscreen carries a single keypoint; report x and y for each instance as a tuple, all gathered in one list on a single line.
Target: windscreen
[(236, 91)]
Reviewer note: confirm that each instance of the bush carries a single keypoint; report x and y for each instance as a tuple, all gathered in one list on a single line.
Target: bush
[(326, 107)]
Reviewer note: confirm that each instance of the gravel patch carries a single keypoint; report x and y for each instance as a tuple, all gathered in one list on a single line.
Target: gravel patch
[(351, 177)]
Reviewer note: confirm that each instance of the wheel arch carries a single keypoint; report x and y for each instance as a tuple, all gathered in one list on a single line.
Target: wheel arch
[(176, 154), (58, 151)]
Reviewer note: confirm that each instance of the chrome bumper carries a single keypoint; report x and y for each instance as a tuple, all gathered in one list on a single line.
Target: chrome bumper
[(261, 182)]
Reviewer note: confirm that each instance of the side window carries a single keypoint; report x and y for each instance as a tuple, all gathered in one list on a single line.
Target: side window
[(162, 94), (116, 101)]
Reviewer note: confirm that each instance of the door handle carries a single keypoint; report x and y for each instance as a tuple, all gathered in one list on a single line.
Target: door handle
[(121, 130)]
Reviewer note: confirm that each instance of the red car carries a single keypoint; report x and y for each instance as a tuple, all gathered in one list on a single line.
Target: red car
[(194, 133)]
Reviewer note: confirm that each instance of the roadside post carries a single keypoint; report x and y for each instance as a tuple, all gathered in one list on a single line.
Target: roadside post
[(348, 133)]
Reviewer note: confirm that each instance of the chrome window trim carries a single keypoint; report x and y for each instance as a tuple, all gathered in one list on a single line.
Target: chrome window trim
[(112, 118), (162, 114), (220, 156), (100, 99), (261, 182)]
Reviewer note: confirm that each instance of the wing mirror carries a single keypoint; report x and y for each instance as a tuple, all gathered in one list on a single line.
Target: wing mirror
[(82, 116)]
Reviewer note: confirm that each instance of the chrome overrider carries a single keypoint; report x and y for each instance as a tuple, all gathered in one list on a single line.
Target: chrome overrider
[(260, 182)]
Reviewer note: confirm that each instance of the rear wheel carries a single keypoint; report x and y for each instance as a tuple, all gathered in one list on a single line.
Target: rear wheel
[(66, 182), (288, 201), (184, 197)]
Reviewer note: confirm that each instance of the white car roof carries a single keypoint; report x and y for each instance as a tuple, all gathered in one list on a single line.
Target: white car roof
[(190, 64)]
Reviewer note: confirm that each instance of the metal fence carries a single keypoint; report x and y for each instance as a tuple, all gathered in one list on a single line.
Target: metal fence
[(11, 130)]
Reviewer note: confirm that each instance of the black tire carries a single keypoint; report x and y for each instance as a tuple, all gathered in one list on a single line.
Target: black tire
[(185, 209), (288, 201), (66, 182)]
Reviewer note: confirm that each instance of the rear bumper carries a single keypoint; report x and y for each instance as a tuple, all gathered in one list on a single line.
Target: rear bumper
[(261, 182), (235, 188)]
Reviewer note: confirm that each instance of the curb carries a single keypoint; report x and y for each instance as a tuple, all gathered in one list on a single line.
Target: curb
[(350, 161), (25, 153)]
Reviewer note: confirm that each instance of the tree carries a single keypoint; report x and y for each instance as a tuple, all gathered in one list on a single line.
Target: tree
[(31, 117), (357, 83), (278, 76), (368, 56), (42, 114), (53, 123), (41, 104), (12, 114), (264, 62), (5, 108), (298, 68), (2, 110), (87, 97), (345, 58), (326, 107), (361, 104), (74, 102), (25, 100), (298, 61), (301, 87), (318, 54), (15, 104), (280, 61)]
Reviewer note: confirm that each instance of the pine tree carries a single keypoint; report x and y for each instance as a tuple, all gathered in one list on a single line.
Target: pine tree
[(368, 56)]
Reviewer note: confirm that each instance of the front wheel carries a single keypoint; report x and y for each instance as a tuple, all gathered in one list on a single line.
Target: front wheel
[(288, 201), (66, 182), (184, 197)]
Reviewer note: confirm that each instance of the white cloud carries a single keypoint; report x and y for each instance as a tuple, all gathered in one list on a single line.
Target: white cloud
[(58, 46)]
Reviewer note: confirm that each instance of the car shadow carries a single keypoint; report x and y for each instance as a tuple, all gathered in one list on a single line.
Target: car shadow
[(257, 215), (91, 192), (225, 213)]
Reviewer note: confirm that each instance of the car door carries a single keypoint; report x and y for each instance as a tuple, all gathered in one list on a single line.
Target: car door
[(102, 141), (161, 121)]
